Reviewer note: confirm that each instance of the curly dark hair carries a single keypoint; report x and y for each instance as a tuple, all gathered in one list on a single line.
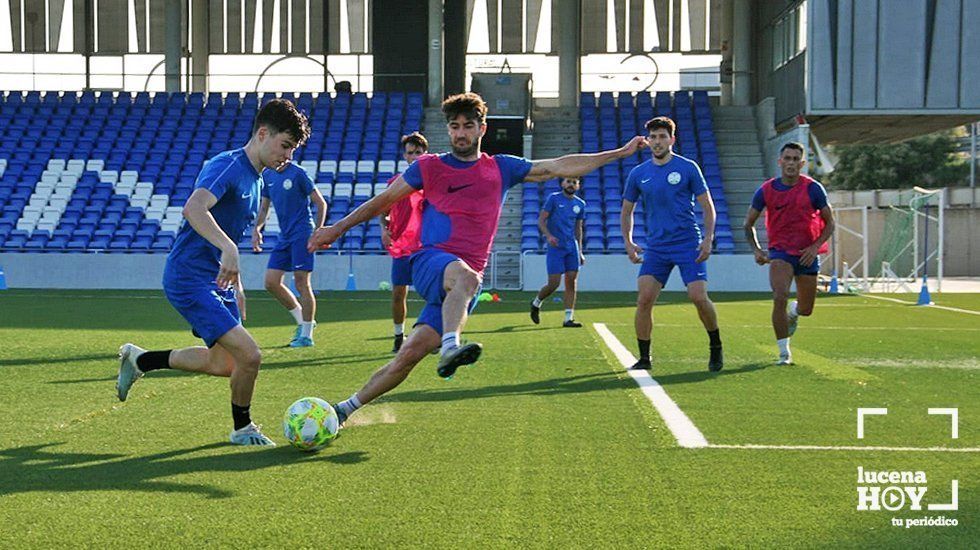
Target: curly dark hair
[(280, 115), (416, 139), (661, 122), (470, 105)]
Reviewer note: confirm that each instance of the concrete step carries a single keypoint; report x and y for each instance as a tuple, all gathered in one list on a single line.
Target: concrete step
[(554, 140), (742, 110), (726, 148), (743, 172), (554, 113), (740, 161), (736, 136), (558, 124)]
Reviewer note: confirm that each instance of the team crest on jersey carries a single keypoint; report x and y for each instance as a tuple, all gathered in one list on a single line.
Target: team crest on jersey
[(287, 185), (576, 209), (674, 178)]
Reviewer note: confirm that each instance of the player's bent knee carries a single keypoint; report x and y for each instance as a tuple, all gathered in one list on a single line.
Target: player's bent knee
[(804, 311)]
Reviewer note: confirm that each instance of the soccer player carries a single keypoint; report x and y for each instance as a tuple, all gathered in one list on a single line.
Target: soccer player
[(799, 220), (560, 221), (400, 235), (464, 192), (201, 278), (292, 193), (667, 186)]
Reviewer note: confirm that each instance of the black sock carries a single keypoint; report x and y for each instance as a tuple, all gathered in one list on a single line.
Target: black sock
[(644, 349), (153, 360), (241, 416), (715, 338)]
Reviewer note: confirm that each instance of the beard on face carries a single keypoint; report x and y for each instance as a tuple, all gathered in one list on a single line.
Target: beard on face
[(464, 151)]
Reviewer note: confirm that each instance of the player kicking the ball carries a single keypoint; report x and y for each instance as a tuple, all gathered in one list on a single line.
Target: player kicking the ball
[(464, 191)]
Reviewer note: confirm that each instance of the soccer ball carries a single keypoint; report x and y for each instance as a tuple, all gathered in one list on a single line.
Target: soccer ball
[(384, 285), (310, 424)]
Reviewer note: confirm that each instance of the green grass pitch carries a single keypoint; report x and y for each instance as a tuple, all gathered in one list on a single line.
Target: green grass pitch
[(546, 442)]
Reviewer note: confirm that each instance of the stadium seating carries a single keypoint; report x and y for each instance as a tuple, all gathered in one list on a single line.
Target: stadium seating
[(110, 172), (608, 121)]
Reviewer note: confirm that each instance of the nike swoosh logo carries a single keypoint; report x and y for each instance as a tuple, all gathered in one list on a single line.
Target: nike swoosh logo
[(646, 180), (248, 196), (779, 207), (458, 188)]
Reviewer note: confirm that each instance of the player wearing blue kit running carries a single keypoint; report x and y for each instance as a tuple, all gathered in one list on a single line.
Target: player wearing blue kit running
[(667, 186), (202, 279), (560, 221), (292, 193)]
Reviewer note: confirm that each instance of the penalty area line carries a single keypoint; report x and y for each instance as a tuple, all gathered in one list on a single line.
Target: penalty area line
[(683, 430)]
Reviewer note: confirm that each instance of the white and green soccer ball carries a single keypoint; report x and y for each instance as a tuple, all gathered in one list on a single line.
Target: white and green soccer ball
[(384, 285), (310, 424)]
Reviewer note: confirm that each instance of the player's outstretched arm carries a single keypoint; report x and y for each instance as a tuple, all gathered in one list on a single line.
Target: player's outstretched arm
[(197, 213), (574, 166), (325, 236)]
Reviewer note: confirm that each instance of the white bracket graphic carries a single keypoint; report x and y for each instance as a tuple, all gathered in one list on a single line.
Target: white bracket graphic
[(954, 415), (954, 503), (866, 411)]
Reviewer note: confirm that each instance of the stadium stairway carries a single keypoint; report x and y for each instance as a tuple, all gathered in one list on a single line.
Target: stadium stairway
[(742, 165)]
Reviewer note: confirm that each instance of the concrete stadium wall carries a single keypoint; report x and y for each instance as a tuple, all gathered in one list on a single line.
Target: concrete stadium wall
[(726, 273), (145, 271)]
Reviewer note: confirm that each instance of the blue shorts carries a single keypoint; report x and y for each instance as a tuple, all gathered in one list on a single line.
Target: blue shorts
[(798, 268), (210, 312), (291, 256), (660, 262), (561, 260), (428, 268), (401, 271)]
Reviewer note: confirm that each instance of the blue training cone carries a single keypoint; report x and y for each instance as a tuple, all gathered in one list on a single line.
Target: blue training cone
[(3, 280), (351, 283), (924, 298), (834, 287)]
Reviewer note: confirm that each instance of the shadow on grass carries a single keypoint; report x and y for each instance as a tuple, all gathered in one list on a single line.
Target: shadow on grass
[(267, 365), (556, 386), (30, 361), (702, 375), (37, 468)]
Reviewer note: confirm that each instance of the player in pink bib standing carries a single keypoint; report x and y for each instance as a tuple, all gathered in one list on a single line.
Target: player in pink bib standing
[(464, 193), (799, 221), (400, 228)]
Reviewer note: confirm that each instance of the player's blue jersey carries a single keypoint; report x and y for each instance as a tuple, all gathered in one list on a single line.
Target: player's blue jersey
[(667, 194), (290, 192), (563, 214), (231, 178)]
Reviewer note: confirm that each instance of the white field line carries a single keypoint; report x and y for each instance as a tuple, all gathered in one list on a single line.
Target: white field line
[(933, 306), (684, 431), (816, 327), (688, 435), (847, 448)]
